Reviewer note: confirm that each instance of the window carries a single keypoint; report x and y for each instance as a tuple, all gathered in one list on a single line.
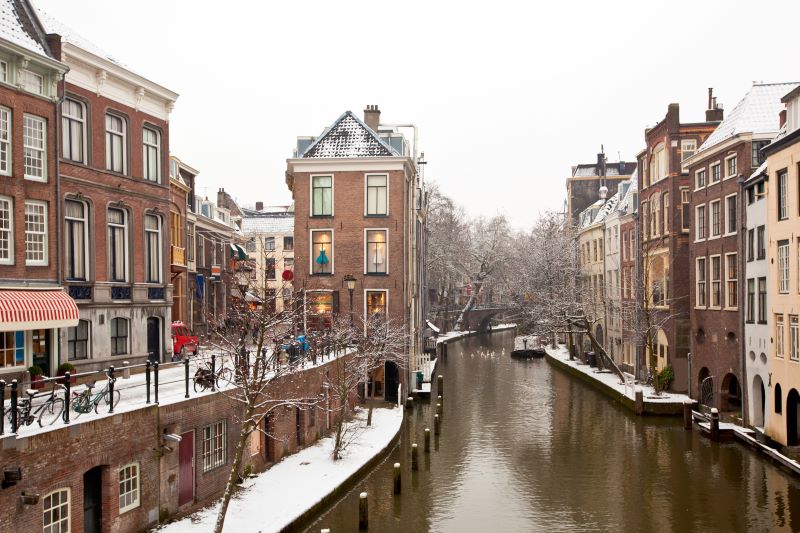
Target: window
[(688, 148), (6, 230), (3, 71), (700, 295), (76, 240), (624, 246), (730, 167), (35, 233), (269, 244), (783, 267), (730, 214), (377, 194), (12, 349), (190, 242), (270, 268), (288, 263), (685, 209), (34, 139), (152, 233), (761, 242), (31, 82), (751, 245), (658, 163), (756, 155), (117, 245), (715, 173), (119, 336), (654, 215), (128, 487), (716, 281), (376, 261), (783, 180), (213, 445), (322, 252), (700, 179), (151, 154), (288, 243), (321, 196), (201, 250), (715, 219), (73, 131), (751, 300), (5, 141), (731, 281), (762, 300), (55, 512), (78, 341), (115, 143), (376, 307), (794, 338), (700, 222), (665, 202), (645, 219), (778, 399), (779, 335)]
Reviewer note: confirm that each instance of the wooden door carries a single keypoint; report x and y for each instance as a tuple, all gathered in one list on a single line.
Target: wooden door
[(186, 468)]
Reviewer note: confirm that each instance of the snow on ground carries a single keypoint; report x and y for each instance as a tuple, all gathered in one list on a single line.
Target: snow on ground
[(612, 380), (275, 498)]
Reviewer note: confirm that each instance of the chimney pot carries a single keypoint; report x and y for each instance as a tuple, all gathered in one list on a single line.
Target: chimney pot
[(259, 206), (710, 97)]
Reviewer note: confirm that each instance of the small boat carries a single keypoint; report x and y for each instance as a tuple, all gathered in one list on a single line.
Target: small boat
[(527, 347)]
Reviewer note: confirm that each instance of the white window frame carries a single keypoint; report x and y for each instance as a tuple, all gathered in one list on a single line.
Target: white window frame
[(108, 146), (45, 238), (728, 280), (697, 281), (135, 491), (211, 445), (688, 145), (9, 202), (6, 144), (311, 251), (727, 231), (366, 195), (779, 335), (311, 194), (67, 119), (149, 146), (366, 252), (711, 167), (783, 267), (697, 173), (26, 146), (160, 249), (719, 280), (703, 226), (794, 338), (127, 335), (57, 527), (125, 244), (86, 243), (736, 163), (711, 234), (3, 71), (783, 194)]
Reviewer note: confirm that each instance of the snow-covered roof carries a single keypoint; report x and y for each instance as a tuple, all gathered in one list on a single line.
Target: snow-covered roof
[(756, 113), (16, 28), (587, 170), (349, 137), (607, 208), (268, 224), (53, 25), (762, 169), (627, 205)]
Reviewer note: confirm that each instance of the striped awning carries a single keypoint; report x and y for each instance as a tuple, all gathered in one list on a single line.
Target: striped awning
[(22, 309)]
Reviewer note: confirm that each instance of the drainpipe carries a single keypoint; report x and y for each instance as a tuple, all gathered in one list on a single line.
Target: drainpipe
[(742, 275), (59, 275)]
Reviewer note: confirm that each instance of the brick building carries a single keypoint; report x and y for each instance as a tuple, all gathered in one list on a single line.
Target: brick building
[(663, 224), (587, 178), (717, 171), (29, 230), (628, 213), (178, 198), (269, 241), (358, 213)]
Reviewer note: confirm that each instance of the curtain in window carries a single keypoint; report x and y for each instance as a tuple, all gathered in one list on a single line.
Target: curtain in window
[(321, 201), (75, 246), (116, 244), (152, 228), (376, 251), (376, 195)]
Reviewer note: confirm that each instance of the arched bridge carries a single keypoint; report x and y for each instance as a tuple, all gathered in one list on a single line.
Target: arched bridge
[(479, 318)]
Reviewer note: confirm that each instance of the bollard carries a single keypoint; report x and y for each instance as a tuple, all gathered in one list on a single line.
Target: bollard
[(439, 399), (186, 375), (638, 403), (440, 385), (147, 366), (67, 396), (396, 478), (111, 380), (409, 402), (3, 400), (363, 511), (326, 530), (714, 425), (436, 424), (439, 411), (414, 457), (687, 414), (427, 440), (155, 377), (126, 370), (13, 406)]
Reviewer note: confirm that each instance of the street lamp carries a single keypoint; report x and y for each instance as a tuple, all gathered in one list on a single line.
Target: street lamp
[(351, 286)]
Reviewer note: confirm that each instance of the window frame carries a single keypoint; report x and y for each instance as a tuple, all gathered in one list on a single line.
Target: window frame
[(10, 260), (715, 304), (780, 332), (784, 272), (697, 174), (123, 135), (727, 220), (68, 120), (761, 291), (6, 141), (685, 143), (367, 318), (750, 314), (367, 188), (367, 242), (332, 258), (57, 526), (45, 261), (159, 249), (125, 226), (761, 242), (135, 492), (711, 233), (731, 258), (700, 294), (715, 171), (783, 194), (728, 160), (114, 339), (26, 147), (794, 338), (72, 343), (214, 443), (311, 195), (70, 254), (148, 146), (700, 230)]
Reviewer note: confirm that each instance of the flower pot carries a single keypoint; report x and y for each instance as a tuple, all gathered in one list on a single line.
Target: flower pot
[(37, 382), (72, 379)]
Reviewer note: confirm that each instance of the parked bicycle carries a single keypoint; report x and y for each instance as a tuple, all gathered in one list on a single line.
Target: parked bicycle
[(45, 412), (204, 378), (86, 401)]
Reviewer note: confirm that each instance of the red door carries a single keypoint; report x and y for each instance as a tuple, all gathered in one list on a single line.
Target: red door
[(186, 468)]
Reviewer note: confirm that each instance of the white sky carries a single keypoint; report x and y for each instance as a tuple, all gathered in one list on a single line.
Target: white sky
[(507, 95)]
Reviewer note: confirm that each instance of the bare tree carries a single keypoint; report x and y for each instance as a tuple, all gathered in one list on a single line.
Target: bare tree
[(385, 342)]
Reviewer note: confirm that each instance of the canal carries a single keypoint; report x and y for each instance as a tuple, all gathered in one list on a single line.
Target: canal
[(524, 447)]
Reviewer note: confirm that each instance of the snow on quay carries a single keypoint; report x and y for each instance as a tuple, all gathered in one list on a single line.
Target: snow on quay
[(279, 496)]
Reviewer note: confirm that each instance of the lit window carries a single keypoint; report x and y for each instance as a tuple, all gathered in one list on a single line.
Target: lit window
[(376, 252), (321, 252), (34, 138), (151, 156), (56, 512), (128, 487), (376, 195), (73, 131), (35, 233), (213, 445), (119, 336), (376, 307), (322, 195), (115, 143), (6, 230)]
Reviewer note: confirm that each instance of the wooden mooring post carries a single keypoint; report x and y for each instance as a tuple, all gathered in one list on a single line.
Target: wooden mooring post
[(687, 414), (427, 440), (714, 424), (638, 402), (436, 425), (397, 482), (440, 385), (363, 511), (414, 457), (409, 403), (439, 411)]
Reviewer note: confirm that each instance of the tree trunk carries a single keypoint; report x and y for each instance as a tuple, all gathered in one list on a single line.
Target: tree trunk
[(370, 403), (234, 473), (337, 444)]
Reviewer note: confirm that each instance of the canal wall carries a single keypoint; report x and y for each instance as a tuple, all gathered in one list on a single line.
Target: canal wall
[(666, 405)]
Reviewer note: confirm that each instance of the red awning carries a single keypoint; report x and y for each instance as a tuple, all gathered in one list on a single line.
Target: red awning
[(36, 309)]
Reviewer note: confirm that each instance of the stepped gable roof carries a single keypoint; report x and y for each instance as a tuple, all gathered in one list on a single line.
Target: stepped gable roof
[(588, 170), (17, 26), (268, 223), (348, 136), (756, 113)]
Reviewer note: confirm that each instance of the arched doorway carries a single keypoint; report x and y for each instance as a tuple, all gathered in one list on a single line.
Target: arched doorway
[(392, 381), (93, 500), (792, 438), (705, 387), (731, 393), (759, 401)]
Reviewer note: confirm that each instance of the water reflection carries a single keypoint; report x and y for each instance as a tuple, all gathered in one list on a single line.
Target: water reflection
[(524, 447)]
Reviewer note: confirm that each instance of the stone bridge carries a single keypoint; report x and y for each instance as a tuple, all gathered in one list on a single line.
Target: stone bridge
[(479, 318)]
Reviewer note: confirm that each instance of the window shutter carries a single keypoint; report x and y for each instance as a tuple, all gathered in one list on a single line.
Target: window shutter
[(335, 303)]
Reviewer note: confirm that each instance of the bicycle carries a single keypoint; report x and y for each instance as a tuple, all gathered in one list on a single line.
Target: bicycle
[(84, 402), (46, 413), (204, 378)]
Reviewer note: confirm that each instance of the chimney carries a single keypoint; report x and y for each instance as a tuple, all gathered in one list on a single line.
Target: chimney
[(714, 113), (621, 168), (372, 117), (782, 118), (259, 206)]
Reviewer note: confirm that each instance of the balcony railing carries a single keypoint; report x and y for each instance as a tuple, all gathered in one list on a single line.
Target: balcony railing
[(178, 256)]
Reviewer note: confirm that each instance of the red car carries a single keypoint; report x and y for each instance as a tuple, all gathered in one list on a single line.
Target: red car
[(183, 341)]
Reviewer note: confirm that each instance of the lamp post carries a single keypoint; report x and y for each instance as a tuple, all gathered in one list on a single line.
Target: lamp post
[(351, 286)]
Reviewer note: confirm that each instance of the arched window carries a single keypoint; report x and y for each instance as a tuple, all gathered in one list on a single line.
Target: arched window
[(117, 244), (778, 399), (655, 209), (119, 336), (152, 245), (665, 203), (55, 511), (76, 240)]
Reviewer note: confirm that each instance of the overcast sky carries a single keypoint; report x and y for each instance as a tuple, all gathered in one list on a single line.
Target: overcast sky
[(506, 97)]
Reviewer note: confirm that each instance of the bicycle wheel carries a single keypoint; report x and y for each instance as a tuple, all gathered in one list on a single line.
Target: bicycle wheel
[(106, 400), (224, 377), (51, 411)]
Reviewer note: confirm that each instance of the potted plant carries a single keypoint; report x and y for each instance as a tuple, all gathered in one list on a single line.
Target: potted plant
[(37, 376), (63, 368)]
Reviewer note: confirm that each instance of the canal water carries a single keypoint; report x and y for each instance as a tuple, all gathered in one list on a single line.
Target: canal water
[(525, 447)]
